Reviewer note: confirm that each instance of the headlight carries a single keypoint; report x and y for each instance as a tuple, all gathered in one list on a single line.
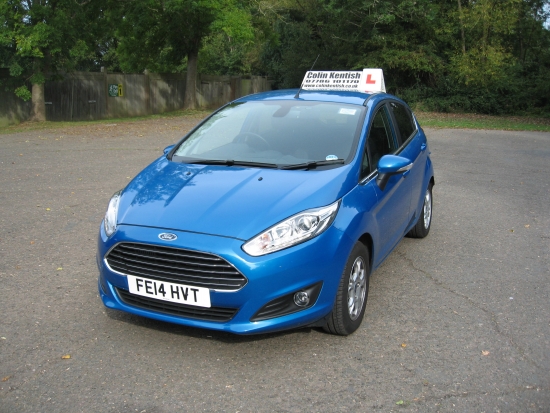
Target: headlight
[(109, 222), (292, 231)]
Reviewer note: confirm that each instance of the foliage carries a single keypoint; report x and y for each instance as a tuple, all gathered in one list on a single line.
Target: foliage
[(225, 51), (40, 38), (483, 56), (23, 92), (165, 32), (46, 36), (486, 56)]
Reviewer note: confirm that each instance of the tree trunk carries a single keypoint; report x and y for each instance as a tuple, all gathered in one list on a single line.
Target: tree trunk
[(38, 103), (460, 16), (190, 98)]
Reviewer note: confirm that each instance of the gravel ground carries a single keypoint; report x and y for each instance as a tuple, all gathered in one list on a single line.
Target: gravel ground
[(457, 322)]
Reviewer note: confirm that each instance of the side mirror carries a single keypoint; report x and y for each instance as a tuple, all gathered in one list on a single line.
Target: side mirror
[(168, 149), (389, 165)]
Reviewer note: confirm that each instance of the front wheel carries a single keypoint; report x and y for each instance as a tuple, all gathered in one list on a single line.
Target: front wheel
[(422, 227), (351, 298)]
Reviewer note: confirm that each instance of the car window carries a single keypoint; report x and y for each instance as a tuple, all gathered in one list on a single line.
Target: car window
[(403, 118), (217, 131), (282, 132), (380, 141)]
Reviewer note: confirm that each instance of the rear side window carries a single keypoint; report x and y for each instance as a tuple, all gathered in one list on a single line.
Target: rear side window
[(403, 118)]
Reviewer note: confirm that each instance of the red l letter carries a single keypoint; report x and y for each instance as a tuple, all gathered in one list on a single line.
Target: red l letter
[(370, 81)]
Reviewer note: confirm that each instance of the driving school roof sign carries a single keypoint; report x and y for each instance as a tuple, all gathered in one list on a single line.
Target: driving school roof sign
[(369, 81)]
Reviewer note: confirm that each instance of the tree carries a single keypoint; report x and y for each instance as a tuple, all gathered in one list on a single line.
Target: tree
[(353, 34), (489, 56), (229, 48), (39, 38), (166, 35)]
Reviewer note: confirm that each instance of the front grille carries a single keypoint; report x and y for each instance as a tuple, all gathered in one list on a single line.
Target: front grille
[(175, 265), (219, 314)]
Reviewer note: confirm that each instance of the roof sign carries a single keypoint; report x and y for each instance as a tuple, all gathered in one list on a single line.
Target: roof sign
[(369, 81)]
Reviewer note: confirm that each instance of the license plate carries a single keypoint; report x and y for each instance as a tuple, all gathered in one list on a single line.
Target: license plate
[(166, 291)]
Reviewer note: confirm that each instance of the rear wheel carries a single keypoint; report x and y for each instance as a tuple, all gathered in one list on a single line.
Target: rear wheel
[(422, 227), (351, 298)]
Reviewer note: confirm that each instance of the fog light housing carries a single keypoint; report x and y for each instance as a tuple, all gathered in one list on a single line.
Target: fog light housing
[(290, 303), (301, 298)]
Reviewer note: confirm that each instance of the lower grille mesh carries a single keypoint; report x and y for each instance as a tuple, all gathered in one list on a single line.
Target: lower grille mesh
[(219, 314)]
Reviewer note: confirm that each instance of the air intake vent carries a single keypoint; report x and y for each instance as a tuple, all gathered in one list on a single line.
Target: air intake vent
[(218, 314)]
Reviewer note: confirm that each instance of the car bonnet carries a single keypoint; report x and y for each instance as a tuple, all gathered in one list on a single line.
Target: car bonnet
[(237, 202)]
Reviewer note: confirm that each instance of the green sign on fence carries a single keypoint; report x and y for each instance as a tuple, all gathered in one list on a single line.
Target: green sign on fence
[(115, 90)]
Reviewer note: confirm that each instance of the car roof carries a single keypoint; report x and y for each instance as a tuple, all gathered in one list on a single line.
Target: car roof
[(337, 96)]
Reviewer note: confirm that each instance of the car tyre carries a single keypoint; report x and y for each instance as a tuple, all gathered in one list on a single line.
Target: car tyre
[(422, 226), (351, 298)]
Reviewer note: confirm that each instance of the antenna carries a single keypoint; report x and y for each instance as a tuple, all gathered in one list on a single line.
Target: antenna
[(297, 95)]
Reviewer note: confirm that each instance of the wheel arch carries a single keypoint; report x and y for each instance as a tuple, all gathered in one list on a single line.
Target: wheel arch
[(366, 240)]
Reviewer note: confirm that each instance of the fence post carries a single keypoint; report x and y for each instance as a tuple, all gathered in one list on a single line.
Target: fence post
[(233, 86), (72, 97), (147, 92), (106, 87)]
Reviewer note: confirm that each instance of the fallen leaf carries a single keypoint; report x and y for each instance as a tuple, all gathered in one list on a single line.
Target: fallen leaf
[(400, 402), (66, 357), (32, 242), (485, 353), (403, 345), (511, 230), (59, 268), (527, 226), (48, 209), (6, 378)]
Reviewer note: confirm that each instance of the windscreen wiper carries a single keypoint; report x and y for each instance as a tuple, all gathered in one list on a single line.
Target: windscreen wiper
[(231, 162), (312, 164)]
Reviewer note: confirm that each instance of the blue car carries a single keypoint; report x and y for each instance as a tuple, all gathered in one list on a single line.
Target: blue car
[(271, 214)]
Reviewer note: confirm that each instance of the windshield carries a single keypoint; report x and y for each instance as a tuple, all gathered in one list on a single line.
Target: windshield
[(275, 132)]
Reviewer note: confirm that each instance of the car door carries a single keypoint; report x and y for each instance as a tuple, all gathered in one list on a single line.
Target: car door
[(392, 209), (413, 146)]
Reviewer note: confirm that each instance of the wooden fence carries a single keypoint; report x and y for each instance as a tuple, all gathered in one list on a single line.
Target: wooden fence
[(91, 95), (13, 109)]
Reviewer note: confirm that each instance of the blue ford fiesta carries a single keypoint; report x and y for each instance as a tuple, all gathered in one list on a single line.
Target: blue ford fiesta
[(272, 213)]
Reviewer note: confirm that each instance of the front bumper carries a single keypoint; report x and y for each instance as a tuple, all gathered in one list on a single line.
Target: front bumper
[(320, 260)]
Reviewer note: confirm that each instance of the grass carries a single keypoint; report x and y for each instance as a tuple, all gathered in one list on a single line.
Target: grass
[(426, 119), (31, 126), (474, 121)]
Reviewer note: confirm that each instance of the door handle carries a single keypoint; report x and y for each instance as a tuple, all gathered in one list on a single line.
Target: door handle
[(406, 173)]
